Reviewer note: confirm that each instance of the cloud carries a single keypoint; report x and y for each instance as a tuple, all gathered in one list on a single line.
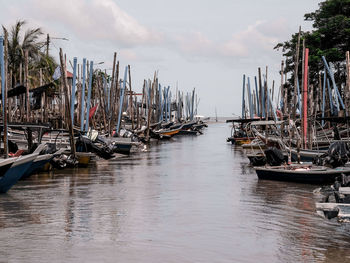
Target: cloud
[(96, 20), (256, 39)]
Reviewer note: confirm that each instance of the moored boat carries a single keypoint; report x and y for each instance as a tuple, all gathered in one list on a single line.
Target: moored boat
[(299, 173), (16, 171)]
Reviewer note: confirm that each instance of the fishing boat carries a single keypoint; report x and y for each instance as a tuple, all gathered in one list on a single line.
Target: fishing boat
[(84, 158), (257, 159), (165, 133), (255, 144), (334, 200), (41, 161), (16, 171), (301, 173)]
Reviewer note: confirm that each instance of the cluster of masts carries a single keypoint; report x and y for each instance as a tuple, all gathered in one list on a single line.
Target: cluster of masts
[(90, 98), (303, 103)]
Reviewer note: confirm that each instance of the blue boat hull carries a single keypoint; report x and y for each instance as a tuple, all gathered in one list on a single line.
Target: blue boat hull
[(12, 175), (35, 166)]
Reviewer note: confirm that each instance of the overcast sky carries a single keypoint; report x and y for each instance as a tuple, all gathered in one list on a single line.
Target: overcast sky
[(204, 44)]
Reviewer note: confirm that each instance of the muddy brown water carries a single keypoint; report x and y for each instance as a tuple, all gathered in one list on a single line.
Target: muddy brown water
[(194, 199)]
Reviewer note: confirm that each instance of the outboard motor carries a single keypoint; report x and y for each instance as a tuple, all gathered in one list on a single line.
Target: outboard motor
[(274, 156), (337, 155)]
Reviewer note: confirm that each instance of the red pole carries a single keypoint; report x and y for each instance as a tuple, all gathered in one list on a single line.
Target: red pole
[(306, 76)]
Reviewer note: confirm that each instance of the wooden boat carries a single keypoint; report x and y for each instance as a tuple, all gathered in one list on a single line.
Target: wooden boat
[(299, 173), (332, 210), (170, 132), (165, 133), (84, 158), (188, 132), (38, 162), (339, 206), (239, 140), (16, 171), (257, 159), (305, 155)]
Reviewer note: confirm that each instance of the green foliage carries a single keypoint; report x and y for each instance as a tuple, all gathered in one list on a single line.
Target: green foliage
[(330, 37), (37, 58)]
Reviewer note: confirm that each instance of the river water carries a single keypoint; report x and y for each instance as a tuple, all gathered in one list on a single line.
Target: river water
[(194, 199)]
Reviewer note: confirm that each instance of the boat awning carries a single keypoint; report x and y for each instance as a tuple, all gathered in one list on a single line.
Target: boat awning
[(21, 89), (239, 120), (265, 123)]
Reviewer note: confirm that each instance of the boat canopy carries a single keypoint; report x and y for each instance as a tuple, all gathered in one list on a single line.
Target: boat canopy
[(265, 123)]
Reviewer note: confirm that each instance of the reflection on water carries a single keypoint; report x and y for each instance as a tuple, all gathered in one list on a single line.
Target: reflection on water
[(194, 199)]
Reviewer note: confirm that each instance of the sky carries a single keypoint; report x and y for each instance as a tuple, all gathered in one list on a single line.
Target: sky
[(207, 45)]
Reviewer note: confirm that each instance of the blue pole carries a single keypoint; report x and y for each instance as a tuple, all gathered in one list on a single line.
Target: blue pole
[(243, 100), (324, 94), (331, 74), (263, 101), (2, 66), (72, 100), (83, 97), (89, 96), (267, 98), (270, 105), (160, 102), (121, 101), (299, 103), (108, 98), (257, 95), (168, 103), (251, 112), (192, 106), (165, 106), (330, 96)]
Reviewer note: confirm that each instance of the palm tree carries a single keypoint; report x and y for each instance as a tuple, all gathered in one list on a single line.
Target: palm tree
[(17, 46)]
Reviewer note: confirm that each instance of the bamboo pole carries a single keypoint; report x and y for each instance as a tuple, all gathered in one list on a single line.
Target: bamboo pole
[(121, 102), (305, 91), (296, 70), (82, 101), (130, 102), (26, 83), (67, 102), (88, 101), (4, 80), (261, 97), (149, 112), (266, 90), (111, 94)]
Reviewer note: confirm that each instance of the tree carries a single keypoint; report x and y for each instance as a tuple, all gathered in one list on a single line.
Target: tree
[(330, 37), (17, 45)]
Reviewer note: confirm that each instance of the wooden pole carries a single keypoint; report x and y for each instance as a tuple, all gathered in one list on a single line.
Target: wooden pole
[(305, 91), (266, 90), (261, 97), (302, 96), (26, 83), (130, 102), (67, 102), (111, 94), (149, 112), (4, 80), (296, 70), (243, 98)]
